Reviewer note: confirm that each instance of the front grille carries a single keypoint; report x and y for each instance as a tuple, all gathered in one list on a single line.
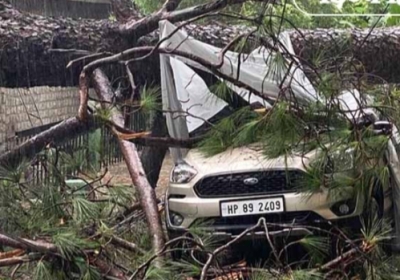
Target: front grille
[(297, 218), (269, 182)]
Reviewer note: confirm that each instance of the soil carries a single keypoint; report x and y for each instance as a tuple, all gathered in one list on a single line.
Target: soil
[(118, 174)]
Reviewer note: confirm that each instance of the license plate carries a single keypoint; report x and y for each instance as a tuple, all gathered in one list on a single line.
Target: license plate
[(252, 206)]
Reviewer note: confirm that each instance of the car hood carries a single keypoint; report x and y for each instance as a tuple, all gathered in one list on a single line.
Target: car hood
[(249, 158)]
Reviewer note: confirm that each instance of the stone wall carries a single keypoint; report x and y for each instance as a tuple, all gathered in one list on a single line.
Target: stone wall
[(23, 108)]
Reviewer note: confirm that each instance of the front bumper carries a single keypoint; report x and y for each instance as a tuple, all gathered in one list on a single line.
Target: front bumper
[(300, 209)]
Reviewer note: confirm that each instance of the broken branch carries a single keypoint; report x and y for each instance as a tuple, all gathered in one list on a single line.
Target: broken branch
[(126, 244), (132, 160)]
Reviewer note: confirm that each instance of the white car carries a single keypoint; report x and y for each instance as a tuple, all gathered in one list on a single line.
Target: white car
[(233, 189)]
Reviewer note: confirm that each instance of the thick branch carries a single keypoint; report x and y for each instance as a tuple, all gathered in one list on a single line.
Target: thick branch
[(55, 134), (20, 260), (202, 9), (8, 241), (106, 269), (39, 247), (139, 28), (22, 243), (153, 141), (126, 244), (202, 61), (135, 168), (71, 128)]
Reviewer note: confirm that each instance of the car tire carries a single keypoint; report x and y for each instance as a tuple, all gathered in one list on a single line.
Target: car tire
[(386, 246), (377, 196), (337, 245), (177, 247), (373, 208)]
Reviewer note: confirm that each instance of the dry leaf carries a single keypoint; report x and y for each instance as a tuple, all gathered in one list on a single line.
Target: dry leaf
[(10, 254)]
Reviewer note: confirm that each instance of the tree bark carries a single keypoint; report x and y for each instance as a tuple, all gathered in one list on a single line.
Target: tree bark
[(147, 194), (71, 127), (27, 40), (56, 134)]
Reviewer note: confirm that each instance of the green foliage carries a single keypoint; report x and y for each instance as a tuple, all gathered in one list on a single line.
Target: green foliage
[(318, 248), (69, 244), (13, 173), (222, 91), (42, 272), (149, 6), (104, 114), (294, 17), (220, 137), (91, 273), (304, 275), (94, 151), (171, 270), (150, 99), (393, 20), (346, 160), (282, 129), (375, 230), (62, 214), (121, 194), (261, 275), (141, 237), (84, 210), (276, 131)]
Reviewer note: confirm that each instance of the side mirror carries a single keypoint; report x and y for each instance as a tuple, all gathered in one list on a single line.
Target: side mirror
[(365, 120), (383, 128)]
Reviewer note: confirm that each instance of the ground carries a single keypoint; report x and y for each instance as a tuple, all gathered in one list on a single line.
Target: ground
[(118, 173)]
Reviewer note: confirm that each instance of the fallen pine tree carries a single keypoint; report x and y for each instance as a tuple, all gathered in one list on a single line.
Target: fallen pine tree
[(79, 218)]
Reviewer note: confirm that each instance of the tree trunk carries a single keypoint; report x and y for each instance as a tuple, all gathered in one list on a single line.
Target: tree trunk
[(27, 41), (74, 126), (152, 157), (131, 157), (55, 134)]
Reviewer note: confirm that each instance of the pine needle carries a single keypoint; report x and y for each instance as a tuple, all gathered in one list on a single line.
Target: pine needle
[(84, 210), (42, 272)]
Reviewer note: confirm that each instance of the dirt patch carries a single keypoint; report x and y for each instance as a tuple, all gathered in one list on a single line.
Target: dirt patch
[(118, 174)]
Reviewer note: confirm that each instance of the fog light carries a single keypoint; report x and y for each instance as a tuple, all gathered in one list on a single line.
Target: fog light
[(344, 209), (175, 218)]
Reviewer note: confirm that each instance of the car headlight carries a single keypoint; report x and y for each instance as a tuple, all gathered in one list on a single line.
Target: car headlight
[(182, 173), (340, 161)]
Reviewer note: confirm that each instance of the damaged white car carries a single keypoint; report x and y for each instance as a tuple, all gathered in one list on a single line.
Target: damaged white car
[(233, 189)]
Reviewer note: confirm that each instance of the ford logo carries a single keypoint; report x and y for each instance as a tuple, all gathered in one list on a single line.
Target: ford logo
[(250, 181)]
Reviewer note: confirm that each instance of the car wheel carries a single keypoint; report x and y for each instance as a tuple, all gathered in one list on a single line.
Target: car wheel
[(177, 248), (370, 216), (373, 207), (373, 210), (378, 199), (371, 219), (337, 244)]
